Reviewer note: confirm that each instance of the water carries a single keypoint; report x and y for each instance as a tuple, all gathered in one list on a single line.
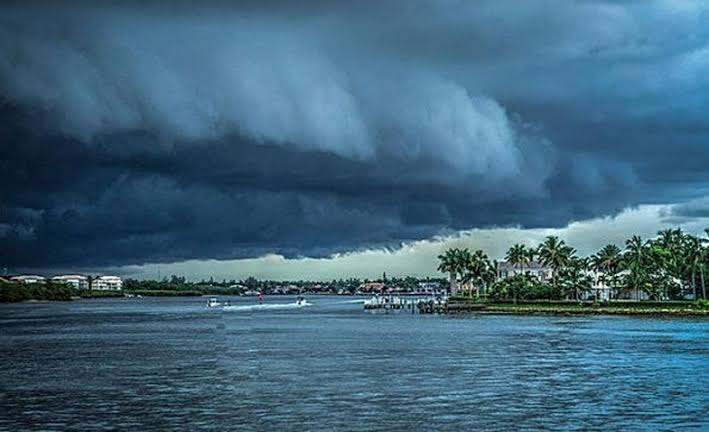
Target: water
[(170, 363)]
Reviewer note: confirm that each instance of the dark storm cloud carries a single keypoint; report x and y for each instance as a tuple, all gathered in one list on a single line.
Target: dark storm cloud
[(143, 132), (698, 208)]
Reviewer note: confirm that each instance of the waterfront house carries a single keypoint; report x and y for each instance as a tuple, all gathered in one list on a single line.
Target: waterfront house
[(372, 287), (107, 283), (29, 279), (534, 268), (76, 281)]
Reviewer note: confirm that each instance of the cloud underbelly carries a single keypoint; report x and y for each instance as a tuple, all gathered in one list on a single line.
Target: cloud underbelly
[(235, 130)]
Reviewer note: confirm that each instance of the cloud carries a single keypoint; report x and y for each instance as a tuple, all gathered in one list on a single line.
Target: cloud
[(142, 132), (265, 82), (690, 210), (419, 258)]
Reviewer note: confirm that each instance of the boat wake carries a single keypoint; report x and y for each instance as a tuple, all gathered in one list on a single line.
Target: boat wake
[(258, 307), (352, 301)]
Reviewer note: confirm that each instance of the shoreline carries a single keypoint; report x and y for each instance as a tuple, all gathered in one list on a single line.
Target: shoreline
[(469, 306), (624, 308), (137, 294)]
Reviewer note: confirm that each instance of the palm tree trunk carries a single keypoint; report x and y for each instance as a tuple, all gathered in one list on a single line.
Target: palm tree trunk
[(453, 283), (704, 290)]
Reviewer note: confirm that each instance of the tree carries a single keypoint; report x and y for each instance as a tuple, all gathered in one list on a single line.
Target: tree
[(636, 261), (659, 265), (693, 257), (669, 254), (704, 261), (518, 256), (554, 253), (453, 261), (574, 276), (478, 270), (607, 261)]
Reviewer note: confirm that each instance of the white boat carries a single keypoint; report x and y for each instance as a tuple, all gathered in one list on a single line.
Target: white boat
[(213, 302)]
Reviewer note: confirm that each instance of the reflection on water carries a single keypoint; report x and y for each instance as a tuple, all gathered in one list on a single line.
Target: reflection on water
[(173, 363)]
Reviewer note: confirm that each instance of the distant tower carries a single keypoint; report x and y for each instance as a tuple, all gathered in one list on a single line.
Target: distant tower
[(384, 277)]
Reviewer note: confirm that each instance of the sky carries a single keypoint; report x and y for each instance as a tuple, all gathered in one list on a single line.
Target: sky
[(326, 139)]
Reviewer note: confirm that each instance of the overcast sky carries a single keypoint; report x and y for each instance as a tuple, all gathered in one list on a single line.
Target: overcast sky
[(323, 138)]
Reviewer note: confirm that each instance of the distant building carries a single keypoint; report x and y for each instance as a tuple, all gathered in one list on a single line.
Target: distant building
[(107, 283), (372, 287), (76, 281), (536, 269), (28, 279), (428, 287), (5, 280)]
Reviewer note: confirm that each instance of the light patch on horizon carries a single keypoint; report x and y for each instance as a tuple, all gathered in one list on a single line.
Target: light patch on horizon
[(420, 258)]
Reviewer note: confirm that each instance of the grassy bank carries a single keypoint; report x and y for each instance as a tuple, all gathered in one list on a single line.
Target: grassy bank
[(679, 308)]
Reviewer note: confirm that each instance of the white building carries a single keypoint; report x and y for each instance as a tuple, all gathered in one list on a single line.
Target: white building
[(107, 283), (76, 281), (542, 273), (29, 279), (428, 287)]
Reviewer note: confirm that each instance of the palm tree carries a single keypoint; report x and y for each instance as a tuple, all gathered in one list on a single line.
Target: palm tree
[(453, 262), (704, 261), (670, 238), (575, 275), (479, 270), (490, 275), (636, 260), (607, 261), (693, 256), (669, 253), (554, 253), (531, 254), (519, 256)]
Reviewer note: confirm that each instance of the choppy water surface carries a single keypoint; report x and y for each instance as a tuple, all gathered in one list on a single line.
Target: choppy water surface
[(136, 364)]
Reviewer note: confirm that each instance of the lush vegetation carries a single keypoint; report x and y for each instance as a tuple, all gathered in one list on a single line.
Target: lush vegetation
[(14, 292), (700, 307), (179, 286), (474, 268), (671, 266)]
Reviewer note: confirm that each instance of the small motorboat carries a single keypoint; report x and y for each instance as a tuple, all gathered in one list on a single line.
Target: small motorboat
[(213, 302), (300, 301)]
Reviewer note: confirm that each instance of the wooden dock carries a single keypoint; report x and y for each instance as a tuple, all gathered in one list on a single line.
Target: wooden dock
[(430, 305), (417, 305)]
